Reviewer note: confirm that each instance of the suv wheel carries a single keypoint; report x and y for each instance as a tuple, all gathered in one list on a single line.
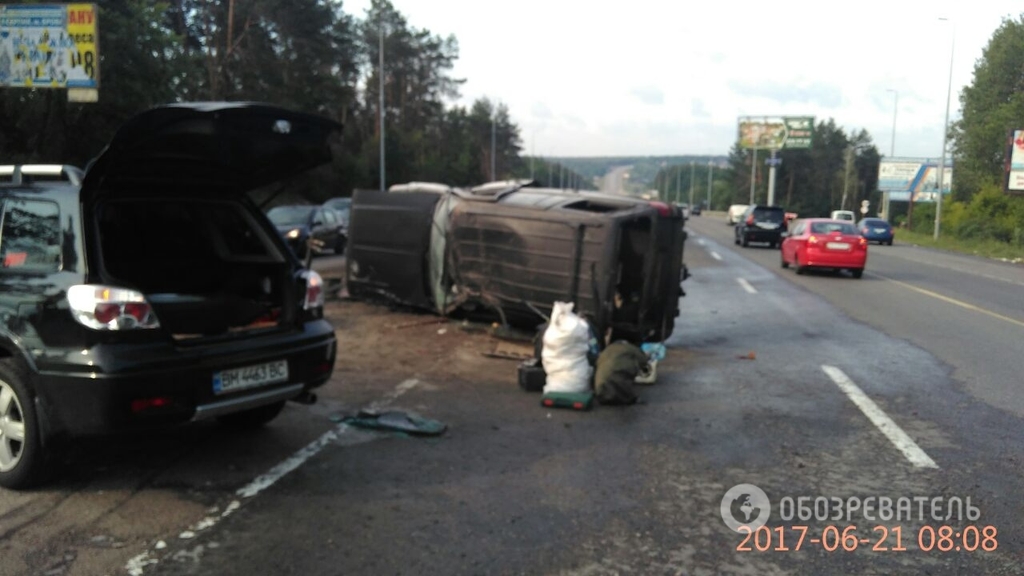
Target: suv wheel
[(254, 417), (22, 462)]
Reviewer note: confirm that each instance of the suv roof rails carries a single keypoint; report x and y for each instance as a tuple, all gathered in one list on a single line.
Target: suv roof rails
[(28, 173)]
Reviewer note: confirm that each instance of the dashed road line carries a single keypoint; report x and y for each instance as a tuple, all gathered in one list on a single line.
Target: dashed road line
[(953, 301), (136, 566), (880, 419), (746, 285), (716, 255)]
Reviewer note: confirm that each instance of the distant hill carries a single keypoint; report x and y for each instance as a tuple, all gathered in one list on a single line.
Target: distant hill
[(643, 168)]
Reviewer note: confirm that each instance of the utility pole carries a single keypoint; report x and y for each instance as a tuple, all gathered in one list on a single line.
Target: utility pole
[(711, 170), (533, 148), (846, 177), (380, 73), (771, 178), (693, 172), (494, 118), (753, 176), (679, 192), (941, 176)]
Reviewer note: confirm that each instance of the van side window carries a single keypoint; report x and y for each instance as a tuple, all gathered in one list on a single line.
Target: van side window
[(30, 237)]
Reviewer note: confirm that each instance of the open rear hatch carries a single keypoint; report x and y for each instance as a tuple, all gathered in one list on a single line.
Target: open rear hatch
[(171, 218)]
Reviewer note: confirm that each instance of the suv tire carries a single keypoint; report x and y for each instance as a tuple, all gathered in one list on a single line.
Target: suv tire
[(252, 418), (23, 462)]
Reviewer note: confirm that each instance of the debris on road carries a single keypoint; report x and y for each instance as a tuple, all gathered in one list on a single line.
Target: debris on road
[(419, 323), (574, 400), (564, 355), (511, 351), (531, 376), (617, 368), (396, 421), (748, 356)]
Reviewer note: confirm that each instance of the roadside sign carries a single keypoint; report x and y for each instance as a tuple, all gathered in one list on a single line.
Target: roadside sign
[(773, 161), (901, 177), (50, 46), (1015, 163), (776, 133)]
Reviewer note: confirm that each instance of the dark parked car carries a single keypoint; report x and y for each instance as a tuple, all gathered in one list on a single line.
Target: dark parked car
[(305, 227), (876, 230), (761, 224), (342, 204), (695, 210), (515, 249), (157, 293)]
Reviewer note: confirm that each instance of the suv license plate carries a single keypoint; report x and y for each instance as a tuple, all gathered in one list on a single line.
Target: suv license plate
[(250, 376), (837, 246)]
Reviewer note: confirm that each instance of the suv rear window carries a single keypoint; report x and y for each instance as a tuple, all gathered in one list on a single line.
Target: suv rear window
[(30, 239), (776, 215)]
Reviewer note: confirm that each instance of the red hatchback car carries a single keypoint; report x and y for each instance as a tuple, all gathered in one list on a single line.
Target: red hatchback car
[(824, 243)]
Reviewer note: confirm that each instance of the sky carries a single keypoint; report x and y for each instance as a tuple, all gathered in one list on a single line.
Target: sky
[(668, 77)]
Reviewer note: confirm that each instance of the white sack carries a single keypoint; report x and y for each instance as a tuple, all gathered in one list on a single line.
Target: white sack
[(564, 355)]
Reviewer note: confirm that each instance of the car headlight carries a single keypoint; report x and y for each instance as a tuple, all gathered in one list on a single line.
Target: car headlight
[(293, 234)]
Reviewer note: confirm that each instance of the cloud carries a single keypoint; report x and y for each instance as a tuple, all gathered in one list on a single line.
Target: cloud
[(698, 109), (541, 110), (649, 95), (824, 95)]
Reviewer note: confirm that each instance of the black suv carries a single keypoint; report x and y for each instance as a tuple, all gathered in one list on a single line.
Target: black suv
[(157, 293), (761, 224)]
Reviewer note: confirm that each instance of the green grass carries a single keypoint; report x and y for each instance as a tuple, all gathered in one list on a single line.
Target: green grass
[(984, 248)]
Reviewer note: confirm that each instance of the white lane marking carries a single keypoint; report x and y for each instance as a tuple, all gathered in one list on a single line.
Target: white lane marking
[(880, 419), (700, 241), (746, 285), (136, 566), (715, 255)]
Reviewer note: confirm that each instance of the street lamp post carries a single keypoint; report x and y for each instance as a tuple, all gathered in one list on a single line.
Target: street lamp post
[(693, 171), (941, 177), (494, 118), (892, 146), (380, 73), (711, 170)]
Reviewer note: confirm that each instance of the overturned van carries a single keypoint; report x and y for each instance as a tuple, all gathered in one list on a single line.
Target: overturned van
[(515, 249)]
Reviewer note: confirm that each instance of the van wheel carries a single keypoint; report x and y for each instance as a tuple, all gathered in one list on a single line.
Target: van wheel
[(252, 418), (22, 460)]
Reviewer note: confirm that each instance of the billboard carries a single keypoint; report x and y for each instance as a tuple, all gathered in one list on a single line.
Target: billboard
[(901, 177), (1015, 163), (776, 132), (49, 46)]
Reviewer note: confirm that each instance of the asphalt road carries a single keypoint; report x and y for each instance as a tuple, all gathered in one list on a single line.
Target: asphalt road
[(903, 384), (614, 181)]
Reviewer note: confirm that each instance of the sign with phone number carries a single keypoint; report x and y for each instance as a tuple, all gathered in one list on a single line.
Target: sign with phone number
[(49, 46)]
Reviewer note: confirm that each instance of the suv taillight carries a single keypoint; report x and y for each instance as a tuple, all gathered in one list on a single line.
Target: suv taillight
[(314, 290), (110, 308), (663, 209)]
